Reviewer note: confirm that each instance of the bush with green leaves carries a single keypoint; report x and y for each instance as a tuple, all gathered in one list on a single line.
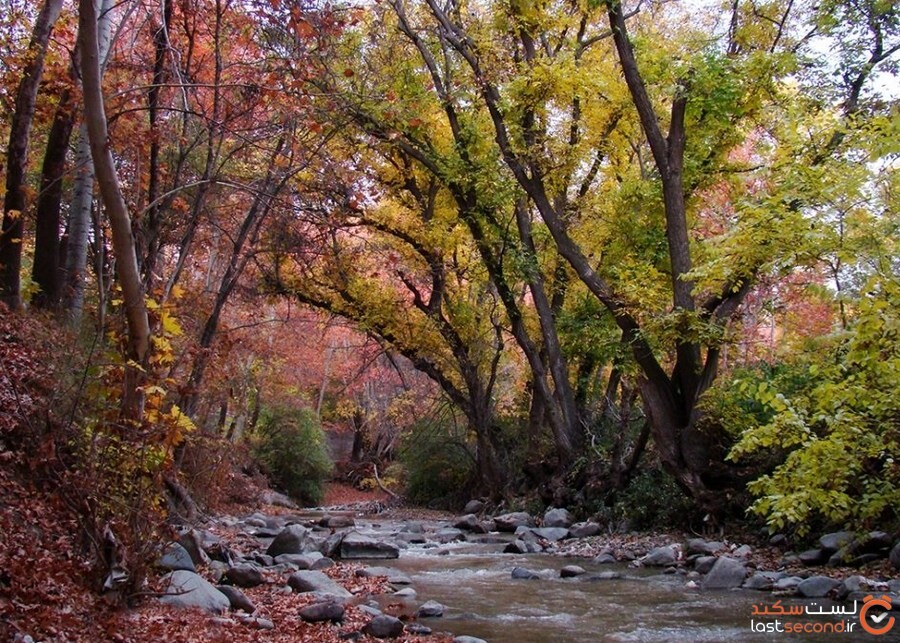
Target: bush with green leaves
[(842, 434), (653, 500), (439, 466), (290, 444)]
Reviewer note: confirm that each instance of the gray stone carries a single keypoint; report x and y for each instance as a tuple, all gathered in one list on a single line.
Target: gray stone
[(191, 541), (661, 557), (430, 609), (256, 622), (743, 551), (895, 556), (555, 517), (417, 629), (277, 499), (604, 576), (873, 542), (469, 522), (468, 639), (816, 586), (300, 561), (584, 529), (509, 522), (244, 575), (759, 581), (473, 507), (188, 589), (313, 581), (293, 539), (516, 547), (324, 611), (726, 573), (449, 535), (384, 627), (406, 592), (778, 540), (175, 557), (812, 557), (604, 559), (864, 559), (834, 541), (787, 583), (705, 547), (237, 598), (331, 546), (336, 521), (520, 573), (552, 534), (393, 576), (262, 559), (571, 571), (356, 545)]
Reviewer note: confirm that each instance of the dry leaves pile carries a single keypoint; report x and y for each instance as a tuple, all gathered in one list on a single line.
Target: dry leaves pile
[(46, 592)]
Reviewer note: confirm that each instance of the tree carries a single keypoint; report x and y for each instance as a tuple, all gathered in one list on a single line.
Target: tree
[(114, 202), (14, 202)]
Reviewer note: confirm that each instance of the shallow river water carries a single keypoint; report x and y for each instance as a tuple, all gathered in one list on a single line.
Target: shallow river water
[(473, 581)]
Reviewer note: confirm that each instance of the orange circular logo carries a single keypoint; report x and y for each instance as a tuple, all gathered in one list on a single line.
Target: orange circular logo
[(880, 623)]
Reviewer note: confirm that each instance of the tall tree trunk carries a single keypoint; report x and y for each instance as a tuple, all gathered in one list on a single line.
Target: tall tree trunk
[(46, 271), (14, 203), (114, 202), (79, 221), (152, 222)]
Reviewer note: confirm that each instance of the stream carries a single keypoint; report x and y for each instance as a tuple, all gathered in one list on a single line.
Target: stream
[(473, 581)]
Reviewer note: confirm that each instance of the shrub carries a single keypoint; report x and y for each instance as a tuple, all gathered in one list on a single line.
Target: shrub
[(653, 500), (439, 467), (290, 445), (842, 434)]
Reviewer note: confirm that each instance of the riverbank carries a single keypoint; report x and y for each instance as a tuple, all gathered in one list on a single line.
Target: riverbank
[(322, 586)]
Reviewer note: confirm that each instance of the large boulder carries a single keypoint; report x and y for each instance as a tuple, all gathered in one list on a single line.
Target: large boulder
[(661, 557), (509, 522), (175, 557), (293, 539), (337, 521), (584, 529), (323, 611), (473, 507), (300, 561), (188, 589), (237, 598), (520, 573), (469, 522), (355, 545), (816, 586), (835, 541), (726, 573), (703, 547), (313, 581), (546, 533), (244, 575), (384, 626), (557, 517), (430, 609)]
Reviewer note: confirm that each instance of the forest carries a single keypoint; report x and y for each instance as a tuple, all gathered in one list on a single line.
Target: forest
[(634, 258)]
